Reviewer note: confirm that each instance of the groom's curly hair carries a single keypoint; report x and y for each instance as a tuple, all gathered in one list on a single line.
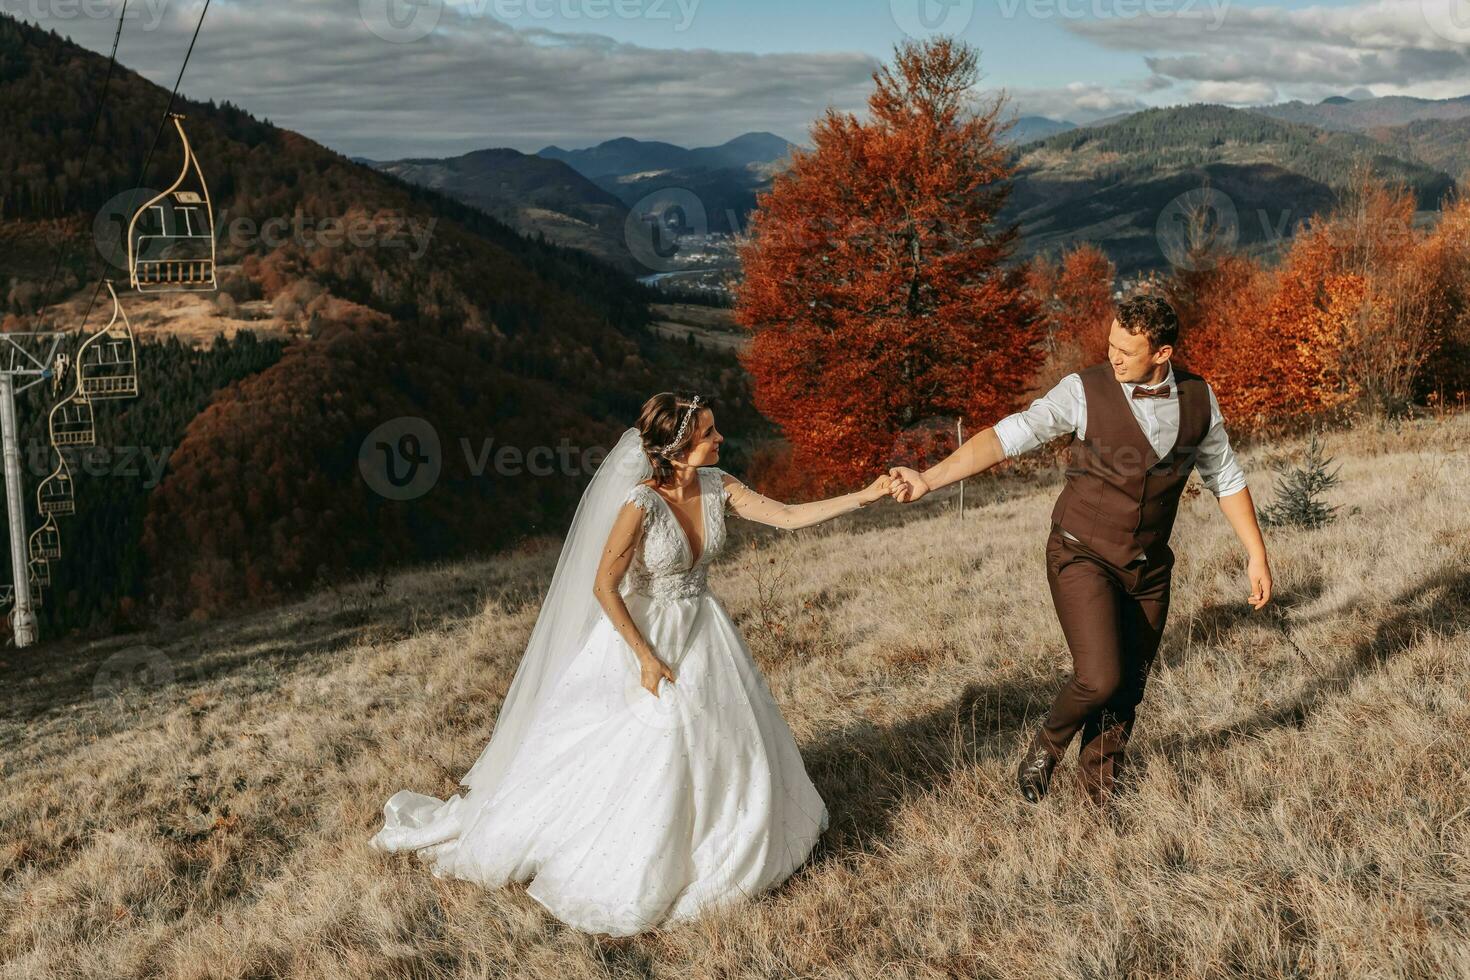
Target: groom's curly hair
[(1149, 313), (658, 422)]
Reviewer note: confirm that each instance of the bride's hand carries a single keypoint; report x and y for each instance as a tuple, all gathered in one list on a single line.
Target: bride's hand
[(653, 670), (878, 489)]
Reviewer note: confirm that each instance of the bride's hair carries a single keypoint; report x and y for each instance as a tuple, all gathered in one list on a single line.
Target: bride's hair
[(658, 424)]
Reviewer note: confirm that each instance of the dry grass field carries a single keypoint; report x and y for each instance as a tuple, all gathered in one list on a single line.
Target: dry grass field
[(196, 802), (713, 327), (194, 318)]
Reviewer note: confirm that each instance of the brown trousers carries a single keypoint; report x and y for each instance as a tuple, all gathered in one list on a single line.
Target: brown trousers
[(1112, 618)]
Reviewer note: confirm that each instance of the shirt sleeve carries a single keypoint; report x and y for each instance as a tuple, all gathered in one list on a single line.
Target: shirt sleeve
[(1056, 413), (1218, 467)]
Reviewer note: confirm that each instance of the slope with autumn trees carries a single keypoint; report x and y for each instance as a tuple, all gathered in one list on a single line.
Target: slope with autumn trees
[(486, 335), (1365, 314)]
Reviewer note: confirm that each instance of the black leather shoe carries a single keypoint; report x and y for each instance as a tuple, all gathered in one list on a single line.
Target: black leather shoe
[(1033, 776)]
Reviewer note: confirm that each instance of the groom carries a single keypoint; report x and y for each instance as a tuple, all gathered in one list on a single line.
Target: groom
[(1139, 425)]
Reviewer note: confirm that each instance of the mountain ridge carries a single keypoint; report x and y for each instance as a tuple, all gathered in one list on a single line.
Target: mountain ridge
[(1109, 184), (534, 194)]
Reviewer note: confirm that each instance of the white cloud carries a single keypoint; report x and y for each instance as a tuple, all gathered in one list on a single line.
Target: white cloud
[(1078, 102), (315, 66), (1417, 47), (1234, 93)]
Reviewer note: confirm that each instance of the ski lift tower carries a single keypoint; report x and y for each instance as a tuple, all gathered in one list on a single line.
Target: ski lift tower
[(20, 363)]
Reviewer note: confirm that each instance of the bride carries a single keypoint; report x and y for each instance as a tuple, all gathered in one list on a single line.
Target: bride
[(639, 770)]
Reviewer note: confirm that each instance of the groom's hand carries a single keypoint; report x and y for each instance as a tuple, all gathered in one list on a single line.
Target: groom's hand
[(908, 485)]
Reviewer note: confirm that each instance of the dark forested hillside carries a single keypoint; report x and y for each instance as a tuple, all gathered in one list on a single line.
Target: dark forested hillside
[(435, 311), (1440, 143), (534, 194), (100, 581)]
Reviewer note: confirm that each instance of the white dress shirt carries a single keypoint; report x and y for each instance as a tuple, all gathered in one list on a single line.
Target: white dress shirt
[(1063, 409)]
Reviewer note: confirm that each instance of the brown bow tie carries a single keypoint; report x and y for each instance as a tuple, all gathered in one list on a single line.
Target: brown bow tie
[(1160, 392)]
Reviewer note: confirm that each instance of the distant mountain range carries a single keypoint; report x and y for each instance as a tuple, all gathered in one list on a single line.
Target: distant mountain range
[(1105, 181), (626, 157), (1028, 128), (724, 179), (581, 198), (1360, 115), (1440, 143)]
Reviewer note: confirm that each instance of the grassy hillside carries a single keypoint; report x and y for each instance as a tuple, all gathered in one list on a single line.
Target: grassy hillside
[(197, 801), (1109, 184), (1159, 141)]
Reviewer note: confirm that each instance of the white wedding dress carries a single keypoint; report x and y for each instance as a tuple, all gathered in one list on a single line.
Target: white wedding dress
[(630, 811)]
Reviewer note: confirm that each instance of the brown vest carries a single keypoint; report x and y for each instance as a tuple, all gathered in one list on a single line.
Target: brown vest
[(1121, 498)]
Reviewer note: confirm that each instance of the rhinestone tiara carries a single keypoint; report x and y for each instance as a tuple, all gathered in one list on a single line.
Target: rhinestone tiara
[(683, 426)]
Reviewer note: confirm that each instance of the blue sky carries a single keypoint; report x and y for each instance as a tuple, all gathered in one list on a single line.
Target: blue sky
[(390, 78), (1017, 50)]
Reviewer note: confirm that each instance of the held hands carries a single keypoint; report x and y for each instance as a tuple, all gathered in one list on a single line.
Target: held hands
[(653, 670), (907, 485), (877, 490)]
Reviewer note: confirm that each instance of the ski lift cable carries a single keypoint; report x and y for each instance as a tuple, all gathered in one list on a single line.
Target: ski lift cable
[(168, 109), (86, 157), (162, 123)]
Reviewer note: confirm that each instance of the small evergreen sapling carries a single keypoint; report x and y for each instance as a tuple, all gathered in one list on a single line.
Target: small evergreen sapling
[(1299, 492)]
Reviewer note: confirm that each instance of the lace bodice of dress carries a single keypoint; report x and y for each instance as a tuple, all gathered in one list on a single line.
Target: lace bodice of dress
[(661, 567)]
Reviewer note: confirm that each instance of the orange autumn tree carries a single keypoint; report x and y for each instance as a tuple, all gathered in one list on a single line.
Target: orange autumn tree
[(1406, 304), (1220, 305), (874, 279), (1075, 297), (1445, 257), (1349, 320), (1282, 358)]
